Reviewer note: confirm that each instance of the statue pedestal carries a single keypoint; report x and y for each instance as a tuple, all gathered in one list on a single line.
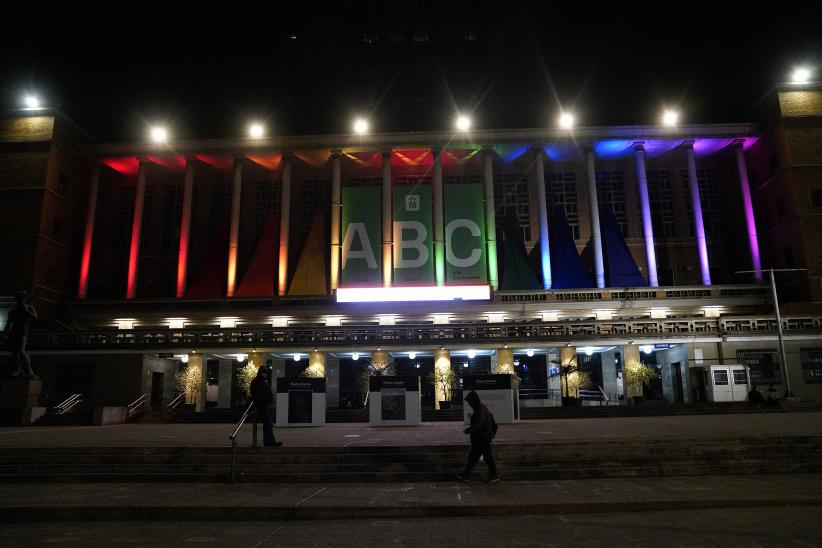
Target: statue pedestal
[(19, 400)]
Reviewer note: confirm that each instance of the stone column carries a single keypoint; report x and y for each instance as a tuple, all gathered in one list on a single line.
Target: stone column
[(136, 230), (645, 205), (696, 206), (442, 362), (609, 378), (285, 221), (332, 381), (504, 362), (387, 224), (185, 229), (490, 219), (439, 246), (226, 369), (336, 210), (542, 209), (88, 238), (593, 208), (747, 205), (234, 234)]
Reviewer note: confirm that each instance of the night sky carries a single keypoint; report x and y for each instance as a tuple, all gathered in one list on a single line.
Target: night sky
[(406, 65)]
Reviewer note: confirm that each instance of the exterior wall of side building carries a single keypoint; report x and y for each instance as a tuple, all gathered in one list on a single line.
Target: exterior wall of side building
[(133, 252)]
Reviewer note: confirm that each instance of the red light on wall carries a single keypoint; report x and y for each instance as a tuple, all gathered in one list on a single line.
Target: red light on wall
[(127, 165)]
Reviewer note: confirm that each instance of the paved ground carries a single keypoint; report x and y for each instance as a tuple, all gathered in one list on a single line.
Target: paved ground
[(177, 435), (750, 527), (45, 502)]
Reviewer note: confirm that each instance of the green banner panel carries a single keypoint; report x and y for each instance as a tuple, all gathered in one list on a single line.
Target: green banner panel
[(413, 237), (362, 236), (465, 235)]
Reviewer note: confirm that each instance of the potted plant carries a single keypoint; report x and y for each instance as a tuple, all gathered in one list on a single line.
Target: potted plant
[(443, 380), (637, 374), (190, 381)]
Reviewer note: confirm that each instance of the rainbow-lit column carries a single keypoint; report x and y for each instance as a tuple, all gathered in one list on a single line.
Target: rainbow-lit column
[(542, 208), (747, 204), (336, 210), (185, 228), (645, 204), (136, 230), (387, 225), (439, 249), (88, 238), (234, 234), (490, 220), (696, 205), (593, 208), (285, 220)]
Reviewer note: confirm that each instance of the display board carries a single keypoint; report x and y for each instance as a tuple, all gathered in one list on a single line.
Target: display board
[(300, 402), (499, 393), (394, 401)]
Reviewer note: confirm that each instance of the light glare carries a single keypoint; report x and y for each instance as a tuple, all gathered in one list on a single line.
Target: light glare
[(463, 123), (32, 102), (412, 355), (670, 118), (360, 126), (530, 353), (472, 354), (296, 356), (566, 120), (801, 75), (355, 356), (408, 294), (159, 134), (256, 131)]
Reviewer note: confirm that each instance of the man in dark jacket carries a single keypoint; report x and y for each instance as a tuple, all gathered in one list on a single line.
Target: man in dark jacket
[(263, 402), (483, 428)]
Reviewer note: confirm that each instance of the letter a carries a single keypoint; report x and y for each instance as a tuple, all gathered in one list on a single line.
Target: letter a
[(358, 229)]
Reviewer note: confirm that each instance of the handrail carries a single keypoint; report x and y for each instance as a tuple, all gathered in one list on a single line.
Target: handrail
[(604, 395), (68, 404), (175, 402), (365, 401), (233, 437), (139, 403)]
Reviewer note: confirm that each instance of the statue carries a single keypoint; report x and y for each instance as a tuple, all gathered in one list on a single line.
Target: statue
[(18, 327)]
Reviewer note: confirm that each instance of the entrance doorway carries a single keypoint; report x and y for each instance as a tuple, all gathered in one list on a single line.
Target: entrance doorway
[(157, 382), (676, 379)]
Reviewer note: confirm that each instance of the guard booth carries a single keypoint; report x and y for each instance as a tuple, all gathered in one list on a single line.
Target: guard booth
[(394, 401), (499, 393), (300, 402), (726, 383)]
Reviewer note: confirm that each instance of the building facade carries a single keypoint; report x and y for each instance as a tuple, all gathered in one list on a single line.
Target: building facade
[(518, 251)]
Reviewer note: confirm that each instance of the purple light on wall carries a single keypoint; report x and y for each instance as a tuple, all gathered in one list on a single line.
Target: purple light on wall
[(699, 225), (747, 205)]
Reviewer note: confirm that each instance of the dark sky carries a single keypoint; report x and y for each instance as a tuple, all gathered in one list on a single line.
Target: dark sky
[(408, 65)]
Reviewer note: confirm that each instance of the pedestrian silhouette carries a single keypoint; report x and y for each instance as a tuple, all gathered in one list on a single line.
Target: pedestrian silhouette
[(17, 326), (263, 401), (482, 430)]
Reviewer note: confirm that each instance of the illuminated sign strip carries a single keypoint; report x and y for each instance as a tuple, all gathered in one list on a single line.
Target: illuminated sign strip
[(399, 294)]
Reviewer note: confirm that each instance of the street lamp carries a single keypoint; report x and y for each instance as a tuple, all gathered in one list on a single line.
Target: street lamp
[(463, 123), (670, 118), (159, 134), (801, 75), (256, 131), (566, 120), (360, 126), (31, 102)]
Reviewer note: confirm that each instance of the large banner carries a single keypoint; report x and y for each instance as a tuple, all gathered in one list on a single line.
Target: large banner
[(362, 236), (465, 235), (413, 237)]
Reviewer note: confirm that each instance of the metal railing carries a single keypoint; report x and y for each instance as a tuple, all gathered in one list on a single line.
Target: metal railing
[(136, 406), (68, 405), (233, 437), (175, 402)]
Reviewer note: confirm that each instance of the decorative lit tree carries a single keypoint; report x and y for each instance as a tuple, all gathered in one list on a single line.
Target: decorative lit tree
[(244, 377), (443, 380), (371, 370), (572, 379), (190, 381), (637, 374)]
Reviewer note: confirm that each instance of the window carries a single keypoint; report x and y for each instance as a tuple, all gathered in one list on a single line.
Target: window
[(172, 218), (315, 196), (561, 190), (763, 365), (661, 198), (219, 204), (268, 198), (811, 359), (720, 377), (124, 219), (511, 194), (816, 198), (611, 193), (740, 376), (710, 197)]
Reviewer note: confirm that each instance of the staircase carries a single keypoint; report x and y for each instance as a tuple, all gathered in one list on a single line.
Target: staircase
[(538, 461)]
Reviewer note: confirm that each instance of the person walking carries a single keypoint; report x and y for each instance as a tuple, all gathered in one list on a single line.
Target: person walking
[(263, 402), (482, 430)]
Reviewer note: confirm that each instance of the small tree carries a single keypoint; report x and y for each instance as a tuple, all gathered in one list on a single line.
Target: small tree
[(443, 380), (572, 379), (190, 381), (636, 375), (371, 370), (244, 377)]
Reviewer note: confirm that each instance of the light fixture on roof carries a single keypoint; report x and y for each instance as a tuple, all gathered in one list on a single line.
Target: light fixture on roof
[(31, 102), (412, 355), (296, 356), (360, 126), (463, 123), (472, 354), (801, 75), (646, 348), (355, 356), (184, 358), (530, 353), (589, 351), (670, 118), (159, 134), (256, 130), (566, 120)]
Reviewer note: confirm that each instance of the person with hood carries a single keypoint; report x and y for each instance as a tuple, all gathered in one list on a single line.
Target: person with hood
[(482, 430), (263, 401)]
